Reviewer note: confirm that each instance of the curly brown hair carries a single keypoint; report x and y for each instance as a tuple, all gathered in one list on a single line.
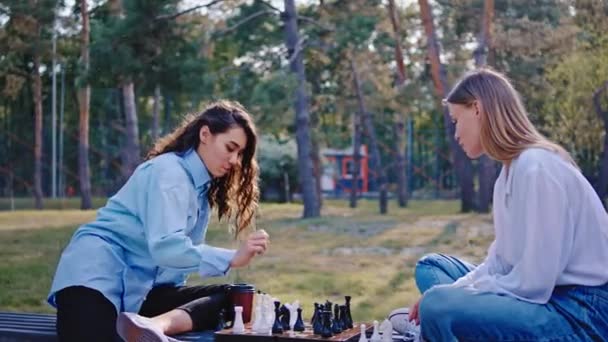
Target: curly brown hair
[(237, 193)]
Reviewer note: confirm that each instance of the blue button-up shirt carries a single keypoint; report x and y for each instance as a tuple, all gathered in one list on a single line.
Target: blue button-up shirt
[(151, 232)]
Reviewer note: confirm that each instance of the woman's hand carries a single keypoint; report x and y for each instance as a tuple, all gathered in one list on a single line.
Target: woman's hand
[(414, 312), (256, 244)]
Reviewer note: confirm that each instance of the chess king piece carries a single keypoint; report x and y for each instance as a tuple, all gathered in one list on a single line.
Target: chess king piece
[(238, 326), (349, 317), (277, 327), (363, 337), (299, 325), (314, 314), (258, 319), (376, 334)]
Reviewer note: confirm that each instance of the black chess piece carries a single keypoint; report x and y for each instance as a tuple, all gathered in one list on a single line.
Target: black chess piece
[(299, 324), (221, 322), (349, 318), (314, 314), (328, 306), (277, 327), (343, 320), (317, 324), (326, 331), (285, 317), (336, 327)]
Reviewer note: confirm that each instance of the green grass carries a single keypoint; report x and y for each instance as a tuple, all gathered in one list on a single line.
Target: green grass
[(346, 251)]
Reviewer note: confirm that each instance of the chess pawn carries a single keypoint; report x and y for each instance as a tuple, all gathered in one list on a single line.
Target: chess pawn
[(376, 334), (299, 325), (362, 336), (349, 318), (238, 327), (326, 332), (336, 327), (277, 327)]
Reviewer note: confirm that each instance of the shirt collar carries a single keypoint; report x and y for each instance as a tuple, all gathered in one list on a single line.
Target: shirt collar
[(197, 170)]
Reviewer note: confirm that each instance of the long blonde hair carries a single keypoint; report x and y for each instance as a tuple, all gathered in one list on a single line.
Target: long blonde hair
[(506, 129), (235, 194)]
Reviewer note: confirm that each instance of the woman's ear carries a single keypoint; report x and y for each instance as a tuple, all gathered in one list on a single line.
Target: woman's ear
[(478, 108), (204, 134)]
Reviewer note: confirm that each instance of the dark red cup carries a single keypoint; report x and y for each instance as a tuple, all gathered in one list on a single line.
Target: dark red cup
[(241, 295)]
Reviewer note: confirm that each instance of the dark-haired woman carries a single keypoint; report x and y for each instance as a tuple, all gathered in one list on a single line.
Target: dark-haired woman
[(124, 273)]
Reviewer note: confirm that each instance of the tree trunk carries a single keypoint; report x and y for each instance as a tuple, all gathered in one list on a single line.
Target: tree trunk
[(317, 172), (371, 132), (131, 149), (601, 186), (84, 99), (462, 164), (156, 113), (37, 97), (354, 193), (402, 191), (487, 166), (302, 120)]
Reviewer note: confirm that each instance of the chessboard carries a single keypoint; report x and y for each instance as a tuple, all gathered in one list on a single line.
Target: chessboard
[(349, 335)]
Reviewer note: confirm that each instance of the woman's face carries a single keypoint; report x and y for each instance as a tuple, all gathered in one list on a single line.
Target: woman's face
[(221, 152), (468, 128)]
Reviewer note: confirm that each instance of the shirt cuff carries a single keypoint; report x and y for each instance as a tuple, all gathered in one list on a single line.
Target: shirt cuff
[(215, 261)]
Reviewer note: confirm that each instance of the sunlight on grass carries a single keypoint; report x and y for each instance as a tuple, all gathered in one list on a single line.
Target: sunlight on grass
[(355, 252)]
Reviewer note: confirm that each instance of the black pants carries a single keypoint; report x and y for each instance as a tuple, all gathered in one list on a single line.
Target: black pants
[(84, 314)]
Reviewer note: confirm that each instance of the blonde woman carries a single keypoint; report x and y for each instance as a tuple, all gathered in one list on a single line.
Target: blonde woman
[(545, 277), (125, 271)]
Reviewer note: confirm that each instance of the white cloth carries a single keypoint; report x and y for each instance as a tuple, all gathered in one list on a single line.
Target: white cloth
[(550, 229)]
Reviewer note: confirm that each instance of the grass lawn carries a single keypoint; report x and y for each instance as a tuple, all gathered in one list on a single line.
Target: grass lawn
[(347, 251)]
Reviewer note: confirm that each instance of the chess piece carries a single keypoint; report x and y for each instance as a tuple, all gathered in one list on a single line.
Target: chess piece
[(326, 332), (277, 327), (221, 322), (299, 325), (349, 317), (314, 314), (387, 331), (343, 320), (362, 336), (336, 327), (293, 313), (317, 324), (285, 313), (238, 327), (258, 320), (376, 334)]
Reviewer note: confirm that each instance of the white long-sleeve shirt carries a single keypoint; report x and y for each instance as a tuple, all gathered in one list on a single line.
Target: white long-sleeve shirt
[(550, 229)]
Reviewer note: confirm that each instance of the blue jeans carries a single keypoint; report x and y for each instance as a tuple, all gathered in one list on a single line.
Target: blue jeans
[(574, 313)]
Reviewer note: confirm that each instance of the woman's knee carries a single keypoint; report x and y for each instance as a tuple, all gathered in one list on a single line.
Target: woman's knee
[(425, 272)]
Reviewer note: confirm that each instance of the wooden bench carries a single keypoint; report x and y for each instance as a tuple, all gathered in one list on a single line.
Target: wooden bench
[(30, 327)]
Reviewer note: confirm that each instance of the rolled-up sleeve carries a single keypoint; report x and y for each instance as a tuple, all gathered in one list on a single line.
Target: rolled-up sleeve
[(165, 217)]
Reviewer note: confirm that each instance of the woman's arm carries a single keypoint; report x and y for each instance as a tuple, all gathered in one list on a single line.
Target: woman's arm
[(164, 214), (541, 226)]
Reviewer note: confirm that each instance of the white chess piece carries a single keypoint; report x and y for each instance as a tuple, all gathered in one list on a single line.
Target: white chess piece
[(387, 331), (293, 313), (257, 318), (376, 335), (363, 337), (238, 327)]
